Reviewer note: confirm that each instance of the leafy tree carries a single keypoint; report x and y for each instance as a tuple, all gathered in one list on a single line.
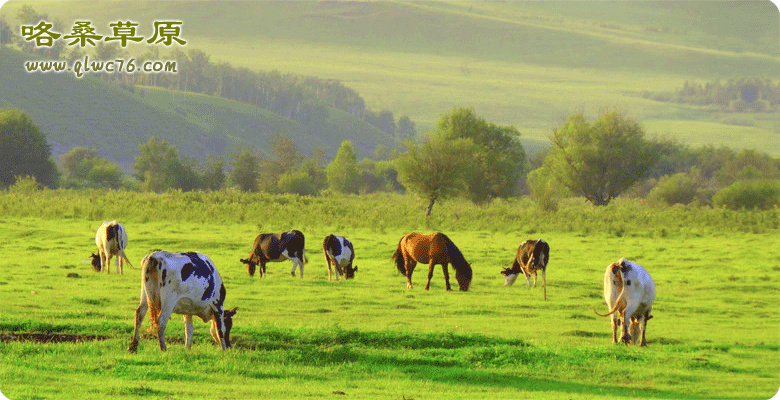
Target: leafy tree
[(104, 173), (246, 171), (81, 166), (342, 173), (24, 150), (76, 163), (214, 175), (499, 158), (159, 168), (405, 129), (600, 160), (436, 169), (679, 188)]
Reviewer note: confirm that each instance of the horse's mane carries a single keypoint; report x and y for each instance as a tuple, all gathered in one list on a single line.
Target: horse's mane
[(456, 257)]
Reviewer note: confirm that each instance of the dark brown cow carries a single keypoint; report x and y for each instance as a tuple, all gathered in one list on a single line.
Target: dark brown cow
[(276, 247), (532, 256)]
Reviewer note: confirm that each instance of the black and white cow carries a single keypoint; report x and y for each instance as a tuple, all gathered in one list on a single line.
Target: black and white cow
[(182, 283), (339, 253), (532, 256), (111, 240), (274, 247)]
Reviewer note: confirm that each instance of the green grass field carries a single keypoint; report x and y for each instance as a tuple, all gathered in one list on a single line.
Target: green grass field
[(714, 334)]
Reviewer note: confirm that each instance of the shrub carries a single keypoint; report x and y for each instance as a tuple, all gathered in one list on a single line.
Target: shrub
[(672, 189), (749, 195)]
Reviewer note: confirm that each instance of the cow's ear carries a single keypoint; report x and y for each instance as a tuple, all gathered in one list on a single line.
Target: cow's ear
[(244, 261), (355, 268), (231, 312)]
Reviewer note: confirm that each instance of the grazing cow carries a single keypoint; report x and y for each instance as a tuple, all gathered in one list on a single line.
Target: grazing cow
[(111, 240), (532, 256), (629, 292), (340, 253), (182, 283), (432, 249), (273, 247)]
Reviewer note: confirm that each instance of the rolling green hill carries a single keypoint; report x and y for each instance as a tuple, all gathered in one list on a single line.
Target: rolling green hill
[(91, 112), (527, 64)]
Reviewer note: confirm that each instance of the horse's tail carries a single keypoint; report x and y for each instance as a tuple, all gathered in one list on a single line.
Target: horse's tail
[(398, 257)]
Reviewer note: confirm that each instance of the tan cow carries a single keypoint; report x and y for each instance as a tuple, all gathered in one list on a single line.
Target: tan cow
[(111, 240), (629, 292)]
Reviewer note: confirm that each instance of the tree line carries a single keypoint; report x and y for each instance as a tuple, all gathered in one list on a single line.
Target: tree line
[(734, 95), (464, 155)]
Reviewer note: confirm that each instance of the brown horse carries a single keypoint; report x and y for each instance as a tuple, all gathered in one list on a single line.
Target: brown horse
[(432, 249)]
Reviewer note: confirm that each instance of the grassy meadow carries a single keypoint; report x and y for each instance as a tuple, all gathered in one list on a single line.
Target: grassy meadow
[(714, 335)]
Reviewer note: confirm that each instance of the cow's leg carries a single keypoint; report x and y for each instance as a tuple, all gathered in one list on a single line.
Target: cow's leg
[(121, 256), (446, 271), (615, 324), (188, 329), (645, 317), (104, 261), (139, 319), (262, 268), (627, 320), (544, 282), (166, 310), (430, 275), (327, 260)]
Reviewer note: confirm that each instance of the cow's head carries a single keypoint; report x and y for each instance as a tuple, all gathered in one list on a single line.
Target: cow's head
[(251, 266), (510, 275), (96, 262), (349, 271), (227, 317)]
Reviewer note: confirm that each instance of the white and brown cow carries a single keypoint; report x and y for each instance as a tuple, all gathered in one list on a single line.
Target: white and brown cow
[(532, 256), (339, 253), (629, 292), (182, 283), (111, 240), (275, 247)]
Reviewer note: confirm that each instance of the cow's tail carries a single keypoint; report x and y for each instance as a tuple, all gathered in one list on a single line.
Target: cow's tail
[(150, 279), (614, 306), (124, 257)]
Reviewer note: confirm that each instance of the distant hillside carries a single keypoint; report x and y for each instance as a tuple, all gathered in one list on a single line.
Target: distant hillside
[(94, 113), (528, 64)]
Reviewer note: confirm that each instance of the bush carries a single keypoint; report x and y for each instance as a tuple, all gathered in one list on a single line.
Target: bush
[(749, 195), (673, 189)]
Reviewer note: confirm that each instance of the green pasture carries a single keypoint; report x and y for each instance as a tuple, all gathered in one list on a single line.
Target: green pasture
[(714, 335)]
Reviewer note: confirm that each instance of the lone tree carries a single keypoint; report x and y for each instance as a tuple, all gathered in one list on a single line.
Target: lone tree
[(436, 169), (499, 159), (24, 150), (342, 172), (600, 160)]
